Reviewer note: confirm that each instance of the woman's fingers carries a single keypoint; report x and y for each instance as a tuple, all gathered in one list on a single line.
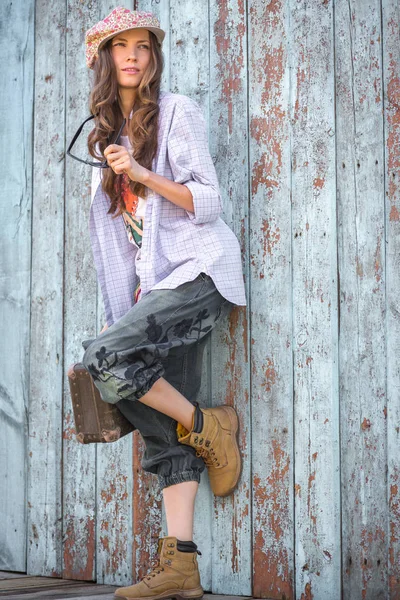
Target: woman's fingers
[(112, 156), (120, 165), (113, 152), (113, 148), (118, 158)]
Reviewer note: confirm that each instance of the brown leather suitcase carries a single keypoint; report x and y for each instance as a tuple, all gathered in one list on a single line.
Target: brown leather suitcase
[(96, 421)]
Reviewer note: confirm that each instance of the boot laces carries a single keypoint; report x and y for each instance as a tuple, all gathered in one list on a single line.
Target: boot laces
[(155, 565), (156, 569), (208, 455)]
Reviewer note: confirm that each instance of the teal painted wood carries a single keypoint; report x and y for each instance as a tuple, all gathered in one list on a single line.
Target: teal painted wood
[(44, 493), (310, 185), (79, 470), (391, 96), (16, 133), (230, 378), (314, 293), (271, 348), (361, 255)]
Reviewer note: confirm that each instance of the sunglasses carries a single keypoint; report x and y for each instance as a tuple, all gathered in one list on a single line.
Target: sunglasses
[(100, 165)]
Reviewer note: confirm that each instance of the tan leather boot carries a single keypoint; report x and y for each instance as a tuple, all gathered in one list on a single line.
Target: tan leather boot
[(217, 445), (175, 574)]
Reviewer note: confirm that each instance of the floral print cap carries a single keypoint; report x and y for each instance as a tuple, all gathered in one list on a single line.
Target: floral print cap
[(120, 19)]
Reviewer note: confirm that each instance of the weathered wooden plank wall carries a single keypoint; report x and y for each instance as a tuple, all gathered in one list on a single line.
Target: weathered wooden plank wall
[(361, 255), (16, 133), (271, 300), (391, 105), (302, 101), (44, 461), (314, 289)]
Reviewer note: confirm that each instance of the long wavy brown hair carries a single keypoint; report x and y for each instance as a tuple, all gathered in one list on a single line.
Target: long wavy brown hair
[(143, 127)]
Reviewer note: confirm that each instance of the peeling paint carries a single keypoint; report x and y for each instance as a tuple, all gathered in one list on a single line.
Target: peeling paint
[(271, 561), (79, 554), (147, 504), (230, 52), (307, 594)]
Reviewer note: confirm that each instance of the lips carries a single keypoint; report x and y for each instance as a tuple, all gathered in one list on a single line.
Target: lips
[(131, 70)]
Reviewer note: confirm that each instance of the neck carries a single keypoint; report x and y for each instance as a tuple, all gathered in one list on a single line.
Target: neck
[(126, 100)]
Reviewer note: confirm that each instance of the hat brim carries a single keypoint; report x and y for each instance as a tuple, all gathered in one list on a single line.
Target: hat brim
[(159, 33)]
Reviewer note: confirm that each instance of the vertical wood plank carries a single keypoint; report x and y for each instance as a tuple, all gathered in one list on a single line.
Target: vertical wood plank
[(232, 545), (114, 470), (189, 74), (16, 133), (315, 335), (44, 530), (391, 95), (189, 47), (361, 253), (147, 512), (79, 475), (271, 301)]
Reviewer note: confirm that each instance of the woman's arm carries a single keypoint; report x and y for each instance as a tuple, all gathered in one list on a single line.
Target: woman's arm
[(121, 161), (178, 193)]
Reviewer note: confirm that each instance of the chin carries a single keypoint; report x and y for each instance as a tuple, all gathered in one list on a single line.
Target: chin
[(129, 86)]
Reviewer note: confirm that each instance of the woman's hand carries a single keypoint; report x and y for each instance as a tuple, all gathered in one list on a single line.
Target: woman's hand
[(121, 161)]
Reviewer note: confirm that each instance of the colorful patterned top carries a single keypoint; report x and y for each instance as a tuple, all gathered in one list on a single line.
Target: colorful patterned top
[(133, 215)]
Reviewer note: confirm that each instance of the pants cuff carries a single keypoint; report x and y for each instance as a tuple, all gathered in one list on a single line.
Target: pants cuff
[(178, 477)]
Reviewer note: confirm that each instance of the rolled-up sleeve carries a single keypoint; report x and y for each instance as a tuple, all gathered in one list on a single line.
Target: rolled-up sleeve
[(191, 162)]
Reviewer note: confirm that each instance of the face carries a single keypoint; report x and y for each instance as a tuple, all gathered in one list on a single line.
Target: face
[(131, 53)]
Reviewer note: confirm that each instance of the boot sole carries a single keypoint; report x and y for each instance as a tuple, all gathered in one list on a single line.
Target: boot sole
[(195, 594), (235, 438)]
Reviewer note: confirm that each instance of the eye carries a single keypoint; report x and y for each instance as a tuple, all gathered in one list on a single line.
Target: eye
[(122, 44)]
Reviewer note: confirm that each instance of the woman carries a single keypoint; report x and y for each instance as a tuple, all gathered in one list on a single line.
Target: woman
[(169, 268)]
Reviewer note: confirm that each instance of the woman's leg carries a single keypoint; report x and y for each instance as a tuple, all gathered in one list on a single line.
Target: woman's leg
[(179, 501), (166, 399)]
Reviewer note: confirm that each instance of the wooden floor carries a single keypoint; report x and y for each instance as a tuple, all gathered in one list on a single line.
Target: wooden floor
[(25, 587)]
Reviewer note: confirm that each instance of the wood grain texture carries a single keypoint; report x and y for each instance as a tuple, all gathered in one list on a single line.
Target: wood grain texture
[(361, 255), (45, 467), (79, 472), (230, 380), (147, 513), (314, 293), (391, 95), (271, 301), (16, 132)]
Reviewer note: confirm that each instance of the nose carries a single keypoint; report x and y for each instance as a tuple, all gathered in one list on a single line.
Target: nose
[(132, 53)]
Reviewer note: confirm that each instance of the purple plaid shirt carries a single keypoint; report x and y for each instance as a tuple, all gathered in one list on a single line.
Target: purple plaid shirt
[(177, 244)]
